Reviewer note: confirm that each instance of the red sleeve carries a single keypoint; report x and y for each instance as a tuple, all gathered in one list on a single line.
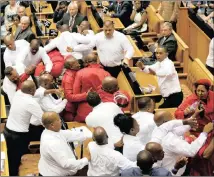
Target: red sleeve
[(23, 77), (179, 113), (204, 147), (68, 88), (77, 84)]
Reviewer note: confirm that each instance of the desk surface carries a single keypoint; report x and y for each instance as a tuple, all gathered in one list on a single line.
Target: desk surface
[(3, 108), (4, 149), (44, 11)]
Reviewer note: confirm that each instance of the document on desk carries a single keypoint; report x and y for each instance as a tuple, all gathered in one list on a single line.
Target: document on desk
[(2, 161), (85, 130)]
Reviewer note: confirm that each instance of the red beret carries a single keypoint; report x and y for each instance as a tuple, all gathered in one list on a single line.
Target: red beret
[(203, 82), (121, 99)]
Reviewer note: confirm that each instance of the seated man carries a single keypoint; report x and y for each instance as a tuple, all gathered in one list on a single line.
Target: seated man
[(24, 31), (104, 160), (86, 79)]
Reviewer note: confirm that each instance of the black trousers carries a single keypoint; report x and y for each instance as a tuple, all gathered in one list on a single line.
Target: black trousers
[(210, 69), (35, 132), (114, 71), (17, 146), (173, 100)]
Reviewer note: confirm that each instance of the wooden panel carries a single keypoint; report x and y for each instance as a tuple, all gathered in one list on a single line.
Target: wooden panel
[(171, 110), (3, 108), (44, 11), (155, 4), (94, 25)]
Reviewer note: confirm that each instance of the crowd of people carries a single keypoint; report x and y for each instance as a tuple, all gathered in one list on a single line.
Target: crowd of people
[(64, 80)]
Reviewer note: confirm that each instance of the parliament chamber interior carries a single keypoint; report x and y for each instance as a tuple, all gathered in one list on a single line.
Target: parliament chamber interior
[(107, 88)]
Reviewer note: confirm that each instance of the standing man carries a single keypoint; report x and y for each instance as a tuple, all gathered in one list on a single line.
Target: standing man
[(24, 31), (113, 48), (167, 76), (16, 131), (73, 18), (57, 156)]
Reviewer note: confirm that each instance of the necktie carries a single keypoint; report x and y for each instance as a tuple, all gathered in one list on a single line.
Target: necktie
[(71, 22), (163, 41), (118, 8)]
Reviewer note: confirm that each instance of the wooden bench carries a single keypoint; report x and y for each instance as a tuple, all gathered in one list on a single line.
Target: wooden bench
[(196, 71), (3, 108)]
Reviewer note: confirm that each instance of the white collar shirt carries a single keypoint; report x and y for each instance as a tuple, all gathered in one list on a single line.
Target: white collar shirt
[(57, 157), (132, 146), (147, 125), (22, 108), (167, 76), (111, 51), (210, 57), (103, 115), (47, 103), (106, 161)]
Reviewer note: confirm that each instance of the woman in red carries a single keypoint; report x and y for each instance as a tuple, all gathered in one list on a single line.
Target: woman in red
[(201, 164)]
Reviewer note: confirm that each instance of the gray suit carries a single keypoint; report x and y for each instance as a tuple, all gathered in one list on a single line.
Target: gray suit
[(66, 18), (27, 34)]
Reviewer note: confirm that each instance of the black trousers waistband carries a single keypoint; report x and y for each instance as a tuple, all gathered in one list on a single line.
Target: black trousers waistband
[(14, 132)]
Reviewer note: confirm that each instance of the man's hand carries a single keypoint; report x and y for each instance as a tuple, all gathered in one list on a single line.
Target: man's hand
[(140, 65), (30, 70), (69, 49), (188, 111), (208, 128), (85, 32), (152, 71), (198, 110), (119, 143), (126, 61), (180, 163), (191, 122), (79, 29)]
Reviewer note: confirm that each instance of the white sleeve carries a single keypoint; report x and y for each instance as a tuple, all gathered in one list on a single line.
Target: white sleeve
[(165, 70), (57, 152), (7, 60), (90, 121), (9, 88), (127, 47), (73, 135), (35, 109), (153, 67), (123, 163), (52, 44), (183, 148), (84, 47), (46, 60), (40, 93), (179, 131), (81, 38)]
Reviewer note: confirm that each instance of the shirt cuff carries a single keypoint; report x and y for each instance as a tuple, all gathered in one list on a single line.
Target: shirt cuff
[(85, 161), (204, 134)]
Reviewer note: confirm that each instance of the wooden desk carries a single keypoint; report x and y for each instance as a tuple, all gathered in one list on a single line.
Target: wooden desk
[(104, 3), (4, 149), (44, 11), (143, 80), (3, 108)]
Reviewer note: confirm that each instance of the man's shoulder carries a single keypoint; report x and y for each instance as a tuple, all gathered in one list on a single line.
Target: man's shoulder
[(135, 171)]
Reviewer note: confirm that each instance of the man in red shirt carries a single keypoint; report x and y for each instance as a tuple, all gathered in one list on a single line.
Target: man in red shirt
[(86, 79), (72, 66)]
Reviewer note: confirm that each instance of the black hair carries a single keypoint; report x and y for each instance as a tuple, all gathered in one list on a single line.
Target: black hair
[(124, 122), (63, 3), (163, 47), (145, 161), (93, 99), (8, 71), (15, 16), (207, 87), (144, 102)]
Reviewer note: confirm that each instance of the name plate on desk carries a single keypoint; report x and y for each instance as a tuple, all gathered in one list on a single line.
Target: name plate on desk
[(46, 23), (53, 32)]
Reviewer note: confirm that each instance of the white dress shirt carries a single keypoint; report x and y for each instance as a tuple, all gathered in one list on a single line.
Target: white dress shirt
[(22, 108), (167, 77), (67, 39), (147, 125), (132, 146), (110, 51), (47, 103), (210, 57), (106, 161), (175, 146), (41, 55), (57, 157), (103, 115), (11, 57)]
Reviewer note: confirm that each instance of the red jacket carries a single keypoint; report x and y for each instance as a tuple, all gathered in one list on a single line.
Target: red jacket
[(87, 78), (22, 78), (209, 107), (58, 64), (67, 85)]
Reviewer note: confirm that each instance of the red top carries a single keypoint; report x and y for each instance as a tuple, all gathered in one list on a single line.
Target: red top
[(87, 78), (22, 78)]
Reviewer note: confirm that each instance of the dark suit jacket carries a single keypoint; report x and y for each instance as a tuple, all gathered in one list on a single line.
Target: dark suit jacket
[(171, 44), (27, 34), (65, 20), (123, 13)]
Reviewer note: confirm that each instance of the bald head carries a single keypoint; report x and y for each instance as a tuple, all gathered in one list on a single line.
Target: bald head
[(162, 117), (110, 84), (100, 136), (46, 81), (155, 149), (72, 63), (9, 42), (34, 46), (64, 28), (146, 104), (49, 118), (145, 161), (90, 58), (108, 29), (28, 87)]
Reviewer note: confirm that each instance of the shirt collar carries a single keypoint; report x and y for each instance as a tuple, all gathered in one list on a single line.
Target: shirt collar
[(25, 94)]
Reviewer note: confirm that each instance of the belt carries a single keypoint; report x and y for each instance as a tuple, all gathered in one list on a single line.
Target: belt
[(14, 132)]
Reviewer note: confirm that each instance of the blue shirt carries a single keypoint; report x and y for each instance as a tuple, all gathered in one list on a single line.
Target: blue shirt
[(157, 171)]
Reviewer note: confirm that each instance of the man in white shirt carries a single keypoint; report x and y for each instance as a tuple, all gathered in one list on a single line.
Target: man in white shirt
[(113, 48), (16, 129), (210, 57), (104, 160), (35, 55), (103, 115), (57, 156), (47, 101), (145, 118), (67, 41), (168, 80), (15, 51)]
